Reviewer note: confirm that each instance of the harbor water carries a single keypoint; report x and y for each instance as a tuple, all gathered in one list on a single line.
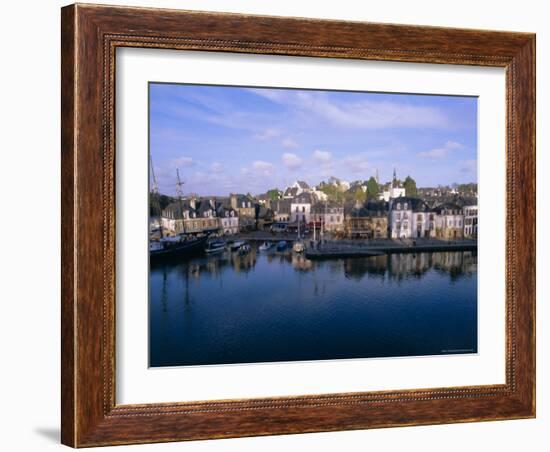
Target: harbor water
[(269, 306)]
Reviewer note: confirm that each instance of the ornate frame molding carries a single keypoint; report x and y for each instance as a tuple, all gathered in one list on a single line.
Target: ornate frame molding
[(90, 37)]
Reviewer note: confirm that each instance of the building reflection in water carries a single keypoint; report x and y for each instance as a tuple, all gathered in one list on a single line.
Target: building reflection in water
[(281, 306), (391, 266)]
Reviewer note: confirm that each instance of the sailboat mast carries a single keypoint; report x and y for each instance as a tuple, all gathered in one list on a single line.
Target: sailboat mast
[(156, 195), (179, 192)]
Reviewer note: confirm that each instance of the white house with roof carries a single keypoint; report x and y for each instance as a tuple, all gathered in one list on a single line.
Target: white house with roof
[(470, 220), (329, 215), (401, 216), (228, 219), (300, 208), (449, 221)]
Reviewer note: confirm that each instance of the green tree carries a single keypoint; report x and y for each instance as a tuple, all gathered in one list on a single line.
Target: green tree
[(356, 194), (373, 188), (410, 186), (331, 191), (273, 194)]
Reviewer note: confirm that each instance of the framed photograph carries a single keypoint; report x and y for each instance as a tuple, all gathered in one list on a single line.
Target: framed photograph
[(281, 225)]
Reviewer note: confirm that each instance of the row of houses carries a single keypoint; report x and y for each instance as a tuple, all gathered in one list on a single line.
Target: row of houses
[(401, 217), (228, 216)]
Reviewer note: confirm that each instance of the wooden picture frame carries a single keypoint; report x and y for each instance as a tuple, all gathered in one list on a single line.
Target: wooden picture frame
[(90, 36)]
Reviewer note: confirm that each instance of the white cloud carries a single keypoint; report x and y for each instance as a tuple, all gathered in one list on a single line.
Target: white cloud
[(262, 167), (267, 134), (291, 161), (441, 152), (357, 163), (322, 156), (289, 143), (367, 114)]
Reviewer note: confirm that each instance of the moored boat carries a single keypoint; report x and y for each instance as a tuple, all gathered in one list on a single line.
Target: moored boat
[(236, 245), (175, 248), (215, 246), (245, 249), (266, 246), (281, 245), (298, 247)]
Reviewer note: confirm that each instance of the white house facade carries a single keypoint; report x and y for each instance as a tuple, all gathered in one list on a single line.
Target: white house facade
[(229, 221), (329, 216), (401, 218), (470, 221), (300, 208), (449, 221)]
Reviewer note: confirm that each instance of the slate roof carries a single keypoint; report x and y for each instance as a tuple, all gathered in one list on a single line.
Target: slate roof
[(368, 209), (446, 206), (290, 192), (281, 206), (177, 208), (414, 204), (303, 198)]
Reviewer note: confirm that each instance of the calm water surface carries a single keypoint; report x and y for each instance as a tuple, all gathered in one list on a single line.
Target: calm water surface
[(279, 306)]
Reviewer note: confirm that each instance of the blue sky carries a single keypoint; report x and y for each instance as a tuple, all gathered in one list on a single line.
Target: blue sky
[(233, 139)]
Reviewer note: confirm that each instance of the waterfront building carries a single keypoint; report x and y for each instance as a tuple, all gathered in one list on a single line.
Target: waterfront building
[(202, 217), (265, 217), (328, 215), (228, 219), (367, 220), (281, 210), (190, 216), (423, 219), (243, 204), (470, 220), (173, 216), (449, 221), (246, 210), (401, 215), (300, 208)]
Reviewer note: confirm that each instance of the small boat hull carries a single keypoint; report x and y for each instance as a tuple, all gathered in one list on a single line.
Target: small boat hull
[(177, 251), (265, 246), (214, 249), (281, 246), (236, 245), (244, 249)]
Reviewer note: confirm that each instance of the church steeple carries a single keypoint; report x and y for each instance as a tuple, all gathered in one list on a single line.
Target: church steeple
[(394, 174)]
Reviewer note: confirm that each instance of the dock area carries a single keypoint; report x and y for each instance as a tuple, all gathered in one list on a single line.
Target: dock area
[(366, 248), (333, 248)]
